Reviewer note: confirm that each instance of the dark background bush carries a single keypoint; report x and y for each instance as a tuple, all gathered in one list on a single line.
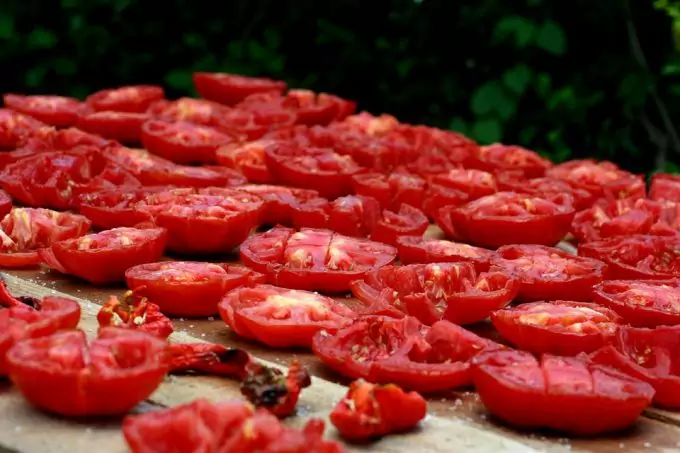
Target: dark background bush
[(568, 78)]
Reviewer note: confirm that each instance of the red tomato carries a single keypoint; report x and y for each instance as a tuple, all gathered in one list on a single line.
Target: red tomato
[(204, 221), (125, 127), (408, 221), (15, 128), (370, 411), (24, 230), (311, 168), (114, 208), (254, 123), (104, 257), (499, 157), (92, 379), (282, 318), (391, 191), (475, 183), (231, 89), (515, 181), (130, 99), (547, 273), (351, 215), (280, 201), (429, 250), (431, 292), (642, 303), (188, 288), (431, 142), (374, 126), (198, 111), (313, 259), (599, 178), (512, 218), (521, 391), (438, 196), (664, 187), (183, 143), (560, 327), (649, 355), (135, 312), (402, 352), (637, 256), (248, 158), (58, 111), (5, 204)]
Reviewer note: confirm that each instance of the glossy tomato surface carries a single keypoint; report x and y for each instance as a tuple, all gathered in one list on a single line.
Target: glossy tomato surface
[(231, 89), (129, 99), (125, 127), (16, 128), (430, 250), (642, 303), (58, 111)]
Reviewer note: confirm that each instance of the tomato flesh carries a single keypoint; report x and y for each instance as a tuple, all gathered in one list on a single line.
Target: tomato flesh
[(642, 303)]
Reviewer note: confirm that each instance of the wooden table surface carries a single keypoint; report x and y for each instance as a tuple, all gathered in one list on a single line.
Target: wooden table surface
[(457, 421)]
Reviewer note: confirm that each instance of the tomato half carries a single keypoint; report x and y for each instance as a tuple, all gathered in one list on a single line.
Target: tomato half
[(319, 169), (188, 288), (599, 178), (515, 181), (438, 196), (318, 108), (313, 259), (642, 303), (560, 327), (248, 158), (114, 208), (521, 391), (408, 221), (102, 258), (183, 143), (231, 89), (280, 201), (282, 318), (125, 127), (499, 157), (664, 186), (92, 379), (429, 250), (129, 99), (512, 218), (16, 128), (475, 183), (58, 111), (351, 215), (637, 256), (197, 111), (5, 204), (547, 273), (253, 124), (391, 191)]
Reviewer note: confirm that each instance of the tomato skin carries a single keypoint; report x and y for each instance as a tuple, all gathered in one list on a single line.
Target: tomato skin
[(197, 111), (247, 158), (665, 186), (408, 221), (58, 111), (124, 127), (414, 250), (658, 307), (476, 183), (567, 276), (515, 181), (280, 201), (100, 386), (230, 89), (601, 179), (113, 208), (127, 99), (477, 222), (107, 263), (526, 326), (438, 196), (16, 128), (351, 215), (265, 313), (521, 391), (5, 204), (188, 288), (391, 191), (499, 157)]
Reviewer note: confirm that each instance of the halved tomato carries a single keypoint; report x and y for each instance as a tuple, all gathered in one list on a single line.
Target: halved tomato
[(408, 221), (642, 303), (437, 196), (58, 111), (197, 111), (253, 124), (475, 183), (231, 89), (125, 127), (393, 190), (665, 187), (498, 157), (280, 201), (516, 181), (16, 128), (132, 99), (247, 158), (430, 250), (351, 215), (601, 179)]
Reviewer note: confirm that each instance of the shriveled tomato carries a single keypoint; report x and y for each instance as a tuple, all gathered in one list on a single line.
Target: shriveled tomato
[(59, 111), (601, 179), (280, 201), (319, 169), (269, 388), (135, 312), (512, 218), (248, 158), (370, 411), (282, 318), (24, 230), (636, 256), (231, 89), (132, 99), (104, 257), (198, 111), (516, 181), (438, 196), (444, 146), (93, 379), (430, 250), (561, 327), (16, 128), (114, 208), (499, 157), (209, 359), (547, 273), (211, 220), (351, 215), (372, 125), (665, 186), (188, 288), (393, 190), (402, 352), (431, 292), (255, 123), (125, 127), (310, 108), (313, 259), (408, 221), (523, 391), (642, 303), (475, 183), (182, 142)]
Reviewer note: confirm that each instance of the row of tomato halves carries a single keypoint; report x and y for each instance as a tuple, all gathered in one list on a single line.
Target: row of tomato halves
[(601, 323)]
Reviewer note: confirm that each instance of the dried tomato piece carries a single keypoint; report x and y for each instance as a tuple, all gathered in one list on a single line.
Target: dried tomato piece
[(135, 312), (270, 389), (208, 358)]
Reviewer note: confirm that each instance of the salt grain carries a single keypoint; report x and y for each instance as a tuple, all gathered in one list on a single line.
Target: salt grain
[(211, 318)]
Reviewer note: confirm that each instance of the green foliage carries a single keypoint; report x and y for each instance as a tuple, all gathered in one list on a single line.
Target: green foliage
[(569, 79)]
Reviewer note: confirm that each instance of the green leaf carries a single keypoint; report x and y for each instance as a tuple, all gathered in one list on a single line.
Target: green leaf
[(193, 40), (41, 38), (564, 97), (544, 84), (6, 26), (236, 50), (487, 131), (272, 39), (634, 88), (180, 79), (517, 78), (458, 124), (528, 134), (64, 66), (485, 98), (520, 28), (551, 38), (34, 77)]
